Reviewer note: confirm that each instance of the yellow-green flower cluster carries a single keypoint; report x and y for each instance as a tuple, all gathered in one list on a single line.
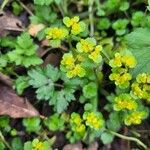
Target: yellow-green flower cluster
[(93, 120), (37, 145), (124, 101), (120, 67), (121, 77), (77, 124), (141, 87), (55, 35), (135, 117), (74, 24), (88, 46), (123, 60), (70, 65)]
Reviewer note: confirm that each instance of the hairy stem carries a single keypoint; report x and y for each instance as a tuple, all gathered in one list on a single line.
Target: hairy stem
[(129, 139), (91, 19)]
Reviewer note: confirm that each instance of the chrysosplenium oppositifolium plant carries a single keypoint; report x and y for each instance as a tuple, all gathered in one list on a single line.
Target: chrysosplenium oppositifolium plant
[(79, 79)]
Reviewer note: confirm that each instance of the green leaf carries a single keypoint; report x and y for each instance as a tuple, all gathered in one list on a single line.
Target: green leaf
[(28, 146), (54, 123), (45, 92), (106, 138), (138, 43), (103, 24), (61, 99), (32, 124), (16, 8), (43, 80), (21, 83), (8, 42), (25, 52), (124, 6), (4, 121), (114, 121), (90, 90), (52, 73), (16, 144), (88, 107), (37, 77), (46, 16), (3, 60)]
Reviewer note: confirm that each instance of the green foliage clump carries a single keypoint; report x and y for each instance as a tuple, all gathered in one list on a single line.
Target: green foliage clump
[(25, 52), (32, 124)]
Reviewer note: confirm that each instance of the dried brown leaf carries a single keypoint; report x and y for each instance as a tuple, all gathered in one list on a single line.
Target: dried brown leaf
[(35, 28), (8, 22), (52, 59), (13, 105), (5, 79)]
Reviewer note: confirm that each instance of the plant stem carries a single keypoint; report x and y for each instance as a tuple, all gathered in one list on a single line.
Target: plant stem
[(129, 139), (69, 42), (25, 7), (4, 141), (58, 85), (61, 10), (3, 5), (91, 3), (105, 54), (94, 103)]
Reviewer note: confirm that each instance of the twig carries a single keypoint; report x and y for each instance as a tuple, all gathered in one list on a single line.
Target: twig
[(25, 7), (91, 3), (129, 139)]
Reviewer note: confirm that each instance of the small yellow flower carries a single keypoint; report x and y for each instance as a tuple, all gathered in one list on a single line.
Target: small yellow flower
[(121, 78), (77, 71), (122, 59), (116, 62), (124, 101), (80, 58), (134, 117), (73, 23), (70, 22), (95, 56), (76, 28), (142, 78), (141, 87), (68, 61), (80, 128), (56, 33), (37, 145), (93, 120), (86, 45), (129, 61)]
